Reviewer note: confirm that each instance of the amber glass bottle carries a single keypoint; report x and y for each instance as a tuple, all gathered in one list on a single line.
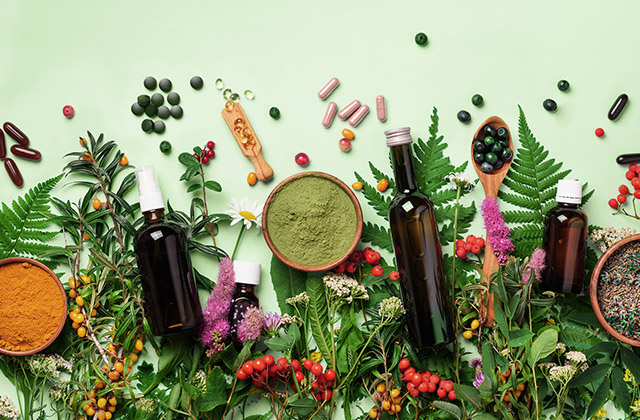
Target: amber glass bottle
[(565, 240), (171, 298), (414, 231), (247, 278)]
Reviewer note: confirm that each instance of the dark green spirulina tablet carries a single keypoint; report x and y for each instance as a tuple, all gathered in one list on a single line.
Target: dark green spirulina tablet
[(159, 127), (176, 111), (173, 98), (163, 112), (150, 83), (165, 147), (137, 109), (144, 100), (165, 85), (157, 99), (196, 82), (151, 110), (147, 125)]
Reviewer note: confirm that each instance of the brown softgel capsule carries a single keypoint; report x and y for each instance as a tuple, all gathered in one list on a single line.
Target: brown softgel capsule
[(15, 133), (25, 152), (14, 173), (3, 146)]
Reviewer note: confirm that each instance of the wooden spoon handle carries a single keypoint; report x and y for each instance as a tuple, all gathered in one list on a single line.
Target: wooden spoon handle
[(263, 170), (489, 266)]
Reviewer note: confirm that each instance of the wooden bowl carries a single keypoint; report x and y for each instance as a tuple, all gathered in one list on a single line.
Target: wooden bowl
[(329, 264), (63, 297), (594, 289)]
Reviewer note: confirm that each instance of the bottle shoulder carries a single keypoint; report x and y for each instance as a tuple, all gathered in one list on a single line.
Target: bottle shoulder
[(563, 213), (153, 229)]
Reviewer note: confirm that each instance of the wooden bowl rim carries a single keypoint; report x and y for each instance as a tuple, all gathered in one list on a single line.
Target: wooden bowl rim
[(501, 123), (593, 293), (331, 264), (63, 296)]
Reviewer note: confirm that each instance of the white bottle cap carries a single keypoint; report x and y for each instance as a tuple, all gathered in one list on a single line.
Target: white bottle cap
[(148, 190), (398, 136), (569, 191), (247, 272)]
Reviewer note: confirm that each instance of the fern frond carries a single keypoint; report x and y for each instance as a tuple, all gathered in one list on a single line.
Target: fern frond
[(531, 185), (377, 235), (22, 223), (379, 202), (378, 175)]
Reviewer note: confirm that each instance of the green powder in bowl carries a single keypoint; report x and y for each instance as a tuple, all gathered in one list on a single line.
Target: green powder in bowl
[(312, 221)]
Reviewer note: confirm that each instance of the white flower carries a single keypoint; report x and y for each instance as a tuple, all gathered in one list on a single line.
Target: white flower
[(301, 298), (576, 357), (460, 179), (391, 308), (561, 347), (343, 289), (562, 373), (7, 409), (245, 211)]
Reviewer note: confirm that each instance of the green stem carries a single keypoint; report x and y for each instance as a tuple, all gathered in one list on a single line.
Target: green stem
[(453, 277), (355, 362), (235, 248)]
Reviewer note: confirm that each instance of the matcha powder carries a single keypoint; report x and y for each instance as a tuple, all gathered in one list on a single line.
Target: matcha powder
[(311, 221)]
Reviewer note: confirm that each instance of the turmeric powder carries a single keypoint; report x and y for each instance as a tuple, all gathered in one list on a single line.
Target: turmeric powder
[(31, 306)]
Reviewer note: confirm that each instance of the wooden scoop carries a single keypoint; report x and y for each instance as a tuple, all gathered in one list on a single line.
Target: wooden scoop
[(491, 184), (246, 138)]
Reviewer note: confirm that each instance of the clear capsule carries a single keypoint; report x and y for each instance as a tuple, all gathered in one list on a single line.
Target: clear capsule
[(238, 131), (235, 96), (227, 94), (219, 84), (238, 122), (228, 106), (249, 95)]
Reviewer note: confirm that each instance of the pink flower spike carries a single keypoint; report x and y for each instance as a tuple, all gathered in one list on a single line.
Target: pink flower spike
[(497, 230), (252, 324), (215, 328), (536, 264)]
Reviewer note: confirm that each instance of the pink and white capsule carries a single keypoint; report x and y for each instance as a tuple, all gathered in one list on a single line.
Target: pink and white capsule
[(381, 108), (328, 88), (330, 114), (358, 116), (348, 110)]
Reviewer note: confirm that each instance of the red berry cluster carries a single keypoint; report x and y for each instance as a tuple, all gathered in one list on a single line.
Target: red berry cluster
[(360, 256), (207, 153), (472, 244), (420, 383), (633, 175), (265, 371)]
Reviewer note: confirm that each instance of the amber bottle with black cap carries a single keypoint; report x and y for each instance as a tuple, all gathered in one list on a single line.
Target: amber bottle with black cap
[(414, 231)]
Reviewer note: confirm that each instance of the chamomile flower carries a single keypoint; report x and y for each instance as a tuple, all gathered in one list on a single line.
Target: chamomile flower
[(245, 211)]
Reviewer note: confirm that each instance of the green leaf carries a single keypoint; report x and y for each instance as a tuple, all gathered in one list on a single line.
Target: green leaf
[(620, 388), (605, 347), (287, 283), (530, 185), (243, 356), (518, 338), (468, 393), (543, 346), (379, 202), (350, 338), (452, 409), (631, 361), (22, 225), (193, 187), (187, 159), (277, 344), (500, 319), (213, 186), (208, 401), (590, 375), (599, 398), (318, 318), (484, 416)]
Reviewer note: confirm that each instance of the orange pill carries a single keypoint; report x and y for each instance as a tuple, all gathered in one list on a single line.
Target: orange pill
[(348, 134)]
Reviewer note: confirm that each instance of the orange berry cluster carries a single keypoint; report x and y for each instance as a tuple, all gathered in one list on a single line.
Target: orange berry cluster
[(515, 391), (390, 400), (76, 314)]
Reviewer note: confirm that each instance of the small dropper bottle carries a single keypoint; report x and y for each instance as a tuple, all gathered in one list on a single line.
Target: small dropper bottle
[(247, 278)]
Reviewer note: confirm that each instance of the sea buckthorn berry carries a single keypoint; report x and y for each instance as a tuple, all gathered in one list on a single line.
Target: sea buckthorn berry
[(394, 276), (383, 184), (395, 393), (348, 134), (79, 301), (91, 411), (119, 367), (102, 402), (613, 203), (97, 203), (377, 271), (252, 178), (72, 294), (622, 198), (124, 161), (113, 375), (82, 331), (381, 388), (623, 189), (397, 408), (468, 335), (599, 132), (302, 159), (357, 185), (475, 324), (139, 345), (373, 413), (86, 236), (386, 405)]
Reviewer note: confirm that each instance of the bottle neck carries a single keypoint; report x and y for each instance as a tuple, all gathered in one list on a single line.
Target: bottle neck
[(405, 174), (567, 205), (154, 216)]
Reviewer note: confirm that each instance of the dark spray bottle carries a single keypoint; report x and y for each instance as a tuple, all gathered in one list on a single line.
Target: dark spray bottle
[(247, 278)]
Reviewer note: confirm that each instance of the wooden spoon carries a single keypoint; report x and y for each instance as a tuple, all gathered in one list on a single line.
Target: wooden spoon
[(491, 183), (252, 148)]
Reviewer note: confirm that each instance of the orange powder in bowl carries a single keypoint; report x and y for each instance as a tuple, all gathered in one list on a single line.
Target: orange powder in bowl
[(32, 306)]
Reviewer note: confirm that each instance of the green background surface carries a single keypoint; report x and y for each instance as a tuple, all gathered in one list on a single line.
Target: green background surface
[(95, 56)]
